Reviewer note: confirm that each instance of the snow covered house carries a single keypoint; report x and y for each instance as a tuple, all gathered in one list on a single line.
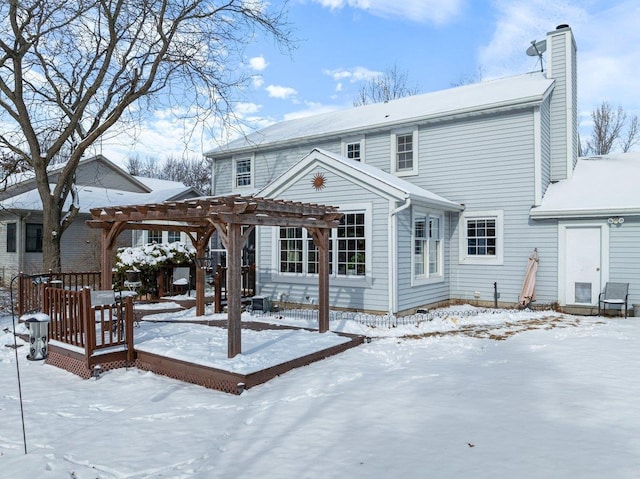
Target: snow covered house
[(445, 195), (99, 182)]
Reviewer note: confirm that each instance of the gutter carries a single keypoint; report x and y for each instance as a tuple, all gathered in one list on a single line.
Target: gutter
[(393, 250), (585, 213)]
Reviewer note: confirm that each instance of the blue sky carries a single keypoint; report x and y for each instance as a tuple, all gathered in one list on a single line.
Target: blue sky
[(341, 43)]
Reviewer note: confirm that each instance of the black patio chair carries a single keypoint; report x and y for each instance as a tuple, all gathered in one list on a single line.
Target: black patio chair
[(614, 294)]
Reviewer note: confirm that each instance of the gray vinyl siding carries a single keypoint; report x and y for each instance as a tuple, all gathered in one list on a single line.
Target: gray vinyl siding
[(8, 261), (378, 150), (558, 111), (487, 165), (371, 293), (545, 147), (411, 297), (222, 176), (624, 256)]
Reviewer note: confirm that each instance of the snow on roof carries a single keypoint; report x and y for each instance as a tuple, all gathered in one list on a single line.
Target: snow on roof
[(600, 186), (158, 184), (504, 92), (94, 197)]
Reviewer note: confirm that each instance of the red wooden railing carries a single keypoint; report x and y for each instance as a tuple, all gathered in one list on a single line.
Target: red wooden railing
[(76, 322)]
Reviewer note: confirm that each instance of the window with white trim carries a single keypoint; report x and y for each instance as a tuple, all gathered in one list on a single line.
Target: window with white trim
[(347, 249), (243, 171), (154, 236), (353, 148), (173, 236), (481, 238), (427, 250), (352, 151), (404, 153)]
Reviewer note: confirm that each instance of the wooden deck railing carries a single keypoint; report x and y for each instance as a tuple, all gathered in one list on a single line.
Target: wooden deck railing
[(76, 322), (29, 290)]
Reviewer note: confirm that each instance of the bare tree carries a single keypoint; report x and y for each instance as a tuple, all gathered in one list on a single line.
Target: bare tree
[(469, 78), (609, 129), (72, 71), (194, 172), (386, 86)]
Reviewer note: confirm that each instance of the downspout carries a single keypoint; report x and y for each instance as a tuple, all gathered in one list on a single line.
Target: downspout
[(393, 254)]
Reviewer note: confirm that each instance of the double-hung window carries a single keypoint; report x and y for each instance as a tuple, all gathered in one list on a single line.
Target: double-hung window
[(404, 158), (243, 171), (347, 249), (427, 249), (481, 238)]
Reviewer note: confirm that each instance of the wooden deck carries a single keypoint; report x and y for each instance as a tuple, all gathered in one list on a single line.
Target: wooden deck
[(73, 359)]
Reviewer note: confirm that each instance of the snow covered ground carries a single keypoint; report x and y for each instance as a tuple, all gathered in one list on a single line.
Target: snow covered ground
[(508, 395)]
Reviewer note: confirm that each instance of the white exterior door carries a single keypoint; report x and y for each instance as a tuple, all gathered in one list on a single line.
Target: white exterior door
[(582, 264)]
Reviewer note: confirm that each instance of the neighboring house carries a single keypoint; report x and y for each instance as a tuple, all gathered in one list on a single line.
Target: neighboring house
[(99, 183), (443, 195)]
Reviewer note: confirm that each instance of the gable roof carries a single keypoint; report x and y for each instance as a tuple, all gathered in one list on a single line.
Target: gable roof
[(512, 92), (600, 186), (367, 176)]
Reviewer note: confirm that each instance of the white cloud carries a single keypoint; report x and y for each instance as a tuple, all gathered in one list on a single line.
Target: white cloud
[(606, 34), (434, 11), (257, 81), (258, 63), (310, 109), (282, 92), (354, 74)]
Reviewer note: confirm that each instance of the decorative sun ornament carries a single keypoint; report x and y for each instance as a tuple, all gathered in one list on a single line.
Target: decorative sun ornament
[(319, 181)]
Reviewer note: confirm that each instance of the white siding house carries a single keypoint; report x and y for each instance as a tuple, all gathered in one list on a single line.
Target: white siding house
[(450, 186)]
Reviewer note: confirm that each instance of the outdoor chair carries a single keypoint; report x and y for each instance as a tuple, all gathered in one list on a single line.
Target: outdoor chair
[(614, 294), (181, 278)]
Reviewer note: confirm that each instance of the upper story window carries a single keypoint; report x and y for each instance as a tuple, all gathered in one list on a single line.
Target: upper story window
[(243, 171), (404, 153), (11, 237), (353, 151), (353, 148), (481, 238), (33, 238)]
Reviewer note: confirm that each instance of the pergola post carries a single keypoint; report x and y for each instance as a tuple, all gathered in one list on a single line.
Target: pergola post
[(234, 288), (200, 277), (321, 240)]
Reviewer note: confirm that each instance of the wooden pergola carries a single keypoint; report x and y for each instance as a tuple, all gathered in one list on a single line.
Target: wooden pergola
[(233, 217)]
